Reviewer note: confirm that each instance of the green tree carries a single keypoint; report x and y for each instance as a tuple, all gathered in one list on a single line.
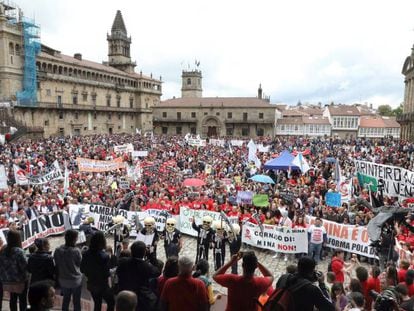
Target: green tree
[(398, 111), (384, 110)]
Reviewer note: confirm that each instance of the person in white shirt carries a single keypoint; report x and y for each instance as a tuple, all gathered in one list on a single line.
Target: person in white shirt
[(317, 236), (286, 222)]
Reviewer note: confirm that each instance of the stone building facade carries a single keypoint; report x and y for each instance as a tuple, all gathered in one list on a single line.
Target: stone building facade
[(214, 116), (406, 120), (74, 96)]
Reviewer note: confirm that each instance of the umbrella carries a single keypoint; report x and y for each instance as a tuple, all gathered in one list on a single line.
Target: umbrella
[(262, 179), (193, 182)]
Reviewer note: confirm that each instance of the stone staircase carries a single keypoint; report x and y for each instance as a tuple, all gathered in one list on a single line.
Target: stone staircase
[(7, 120)]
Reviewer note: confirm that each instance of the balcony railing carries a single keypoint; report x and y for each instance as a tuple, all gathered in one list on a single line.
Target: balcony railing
[(78, 107), (405, 117)]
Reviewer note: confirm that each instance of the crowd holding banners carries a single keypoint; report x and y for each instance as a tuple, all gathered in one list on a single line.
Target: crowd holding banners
[(95, 165)]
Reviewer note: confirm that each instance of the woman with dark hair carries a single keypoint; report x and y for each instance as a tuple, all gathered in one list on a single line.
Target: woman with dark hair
[(95, 265), (170, 271), (13, 271), (40, 263), (202, 273)]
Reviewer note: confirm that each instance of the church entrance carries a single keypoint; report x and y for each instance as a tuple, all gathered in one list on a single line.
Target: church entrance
[(212, 131), (211, 127)]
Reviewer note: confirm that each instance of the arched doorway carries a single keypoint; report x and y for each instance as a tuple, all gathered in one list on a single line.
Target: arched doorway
[(211, 127)]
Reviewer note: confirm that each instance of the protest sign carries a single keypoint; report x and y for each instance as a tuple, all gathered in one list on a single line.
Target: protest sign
[(187, 215), (96, 166), (350, 238), (236, 143), (262, 148), (139, 153), (124, 148), (3, 178), (123, 184), (261, 200), (345, 189), (217, 142), (403, 254), (196, 142), (280, 239), (392, 180), (20, 175), (333, 199), (244, 197)]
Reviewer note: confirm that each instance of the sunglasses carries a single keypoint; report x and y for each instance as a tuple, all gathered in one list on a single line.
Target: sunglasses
[(170, 225), (148, 225), (206, 222)]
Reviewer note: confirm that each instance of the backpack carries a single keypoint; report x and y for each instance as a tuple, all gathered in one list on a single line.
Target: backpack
[(282, 299)]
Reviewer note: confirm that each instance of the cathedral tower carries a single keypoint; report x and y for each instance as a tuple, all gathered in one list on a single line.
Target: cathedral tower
[(119, 53), (192, 84)]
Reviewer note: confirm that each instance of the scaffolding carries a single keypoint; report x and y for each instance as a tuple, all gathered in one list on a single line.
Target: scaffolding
[(31, 41)]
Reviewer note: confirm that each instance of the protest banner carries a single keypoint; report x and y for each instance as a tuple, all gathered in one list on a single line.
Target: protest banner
[(3, 178), (54, 174), (20, 175), (124, 148), (280, 239), (41, 227), (333, 199), (236, 143), (139, 153), (262, 148), (217, 142), (392, 180), (102, 216), (187, 215), (196, 142), (345, 189), (350, 238), (97, 166)]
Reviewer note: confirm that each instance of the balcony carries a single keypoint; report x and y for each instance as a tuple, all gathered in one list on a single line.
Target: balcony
[(44, 105), (406, 117), (175, 120), (241, 121)]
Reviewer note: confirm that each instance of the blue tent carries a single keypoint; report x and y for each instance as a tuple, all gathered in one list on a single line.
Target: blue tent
[(282, 162)]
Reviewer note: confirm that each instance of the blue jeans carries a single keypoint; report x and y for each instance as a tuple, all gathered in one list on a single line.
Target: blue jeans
[(67, 294), (315, 251)]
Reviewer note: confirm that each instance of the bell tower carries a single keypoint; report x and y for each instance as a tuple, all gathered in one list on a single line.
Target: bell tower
[(119, 53), (192, 84)]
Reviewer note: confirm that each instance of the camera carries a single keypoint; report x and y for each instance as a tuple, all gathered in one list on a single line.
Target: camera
[(384, 301)]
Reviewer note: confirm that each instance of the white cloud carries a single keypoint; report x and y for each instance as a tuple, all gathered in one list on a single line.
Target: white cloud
[(319, 50)]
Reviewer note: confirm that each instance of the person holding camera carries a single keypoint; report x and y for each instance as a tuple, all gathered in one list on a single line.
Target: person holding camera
[(244, 290), (305, 294)]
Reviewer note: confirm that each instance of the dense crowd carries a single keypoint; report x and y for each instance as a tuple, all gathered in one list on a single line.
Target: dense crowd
[(159, 185)]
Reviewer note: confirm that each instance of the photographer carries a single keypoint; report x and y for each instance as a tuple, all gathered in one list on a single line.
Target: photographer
[(307, 296)]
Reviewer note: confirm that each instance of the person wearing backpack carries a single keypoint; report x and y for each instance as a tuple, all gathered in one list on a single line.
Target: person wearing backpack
[(244, 290), (297, 292)]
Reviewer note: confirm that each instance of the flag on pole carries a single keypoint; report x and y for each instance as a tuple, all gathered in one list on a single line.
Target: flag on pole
[(230, 148), (338, 175), (252, 156), (138, 131), (20, 175), (66, 181), (301, 162)]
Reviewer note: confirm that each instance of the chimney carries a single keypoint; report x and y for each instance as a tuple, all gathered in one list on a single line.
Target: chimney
[(260, 92), (78, 56)]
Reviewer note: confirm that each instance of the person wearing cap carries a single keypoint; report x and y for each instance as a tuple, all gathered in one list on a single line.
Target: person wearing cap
[(244, 290)]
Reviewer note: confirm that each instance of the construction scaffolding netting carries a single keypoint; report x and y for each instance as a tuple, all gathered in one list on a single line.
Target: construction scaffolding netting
[(31, 37)]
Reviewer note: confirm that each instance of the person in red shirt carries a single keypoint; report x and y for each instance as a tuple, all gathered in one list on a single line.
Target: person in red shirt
[(244, 290), (373, 283), (337, 265), (409, 282), (402, 271), (184, 292)]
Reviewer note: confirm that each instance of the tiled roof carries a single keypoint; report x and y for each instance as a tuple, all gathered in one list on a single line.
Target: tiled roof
[(244, 102), (343, 110), (304, 120), (92, 65), (378, 122)]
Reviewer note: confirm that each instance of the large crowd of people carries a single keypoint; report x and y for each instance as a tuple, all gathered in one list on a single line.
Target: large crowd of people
[(158, 184)]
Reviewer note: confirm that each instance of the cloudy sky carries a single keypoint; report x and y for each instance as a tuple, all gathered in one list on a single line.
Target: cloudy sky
[(334, 50)]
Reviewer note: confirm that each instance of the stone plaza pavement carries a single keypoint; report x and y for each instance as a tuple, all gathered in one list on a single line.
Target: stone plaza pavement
[(276, 265)]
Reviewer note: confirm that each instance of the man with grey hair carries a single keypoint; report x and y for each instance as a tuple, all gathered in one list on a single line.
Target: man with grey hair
[(126, 301), (184, 292)]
